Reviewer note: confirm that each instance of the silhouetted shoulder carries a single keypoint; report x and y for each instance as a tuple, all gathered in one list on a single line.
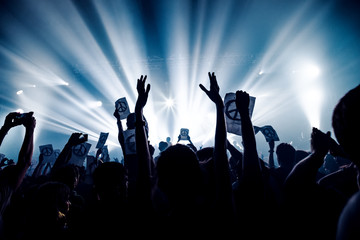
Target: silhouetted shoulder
[(349, 221)]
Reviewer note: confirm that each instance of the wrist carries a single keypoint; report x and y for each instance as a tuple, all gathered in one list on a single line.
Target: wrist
[(140, 123), (220, 104)]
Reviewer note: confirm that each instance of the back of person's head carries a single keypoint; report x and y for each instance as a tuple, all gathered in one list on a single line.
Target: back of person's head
[(68, 174), (178, 171), (109, 181), (285, 153), (51, 204), (345, 121), (8, 173), (131, 120), (162, 145), (205, 154)]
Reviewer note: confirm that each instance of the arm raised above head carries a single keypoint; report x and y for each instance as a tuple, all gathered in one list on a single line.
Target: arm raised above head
[(222, 172)]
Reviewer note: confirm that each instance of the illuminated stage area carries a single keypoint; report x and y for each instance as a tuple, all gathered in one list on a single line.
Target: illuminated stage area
[(69, 61)]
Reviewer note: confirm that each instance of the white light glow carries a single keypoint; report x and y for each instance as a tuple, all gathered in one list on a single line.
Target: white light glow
[(95, 104), (169, 102), (312, 100), (76, 59), (311, 71)]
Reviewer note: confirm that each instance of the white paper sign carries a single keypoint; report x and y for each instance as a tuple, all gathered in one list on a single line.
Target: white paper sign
[(269, 133), (122, 107), (232, 115), (48, 153), (184, 134), (105, 154), (102, 139), (79, 153)]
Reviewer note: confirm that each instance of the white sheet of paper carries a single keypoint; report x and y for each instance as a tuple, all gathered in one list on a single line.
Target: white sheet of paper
[(102, 139), (232, 115), (79, 153), (122, 107)]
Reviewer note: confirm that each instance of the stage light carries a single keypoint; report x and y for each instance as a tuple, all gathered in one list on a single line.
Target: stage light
[(19, 110), (311, 100), (311, 71), (169, 102), (98, 103), (95, 104), (19, 92)]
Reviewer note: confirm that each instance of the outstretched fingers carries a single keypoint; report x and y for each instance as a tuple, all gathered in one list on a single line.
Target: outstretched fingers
[(141, 84), (213, 82)]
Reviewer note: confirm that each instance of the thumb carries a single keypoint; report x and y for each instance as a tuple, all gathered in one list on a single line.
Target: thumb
[(203, 88)]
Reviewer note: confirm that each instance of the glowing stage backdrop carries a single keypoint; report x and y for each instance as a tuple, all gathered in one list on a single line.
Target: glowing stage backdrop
[(69, 61)]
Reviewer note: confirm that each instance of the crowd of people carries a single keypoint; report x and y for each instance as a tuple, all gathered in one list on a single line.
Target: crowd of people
[(182, 191)]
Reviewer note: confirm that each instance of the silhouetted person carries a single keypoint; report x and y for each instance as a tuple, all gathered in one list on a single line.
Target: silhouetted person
[(345, 122), (47, 216), (286, 159), (12, 176), (250, 192), (311, 208)]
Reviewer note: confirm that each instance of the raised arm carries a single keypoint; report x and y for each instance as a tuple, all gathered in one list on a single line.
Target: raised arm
[(143, 184), (304, 172), (222, 172), (27, 147), (10, 122), (65, 154), (39, 167), (233, 151), (271, 154), (251, 163), (120, 131)]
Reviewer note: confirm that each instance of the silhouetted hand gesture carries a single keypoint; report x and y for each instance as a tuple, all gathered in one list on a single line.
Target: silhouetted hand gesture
[(116, 114), (213, 93), (77, 138), (320, 142), (29, 121), (142, 93), (242, 101), (12, 120)]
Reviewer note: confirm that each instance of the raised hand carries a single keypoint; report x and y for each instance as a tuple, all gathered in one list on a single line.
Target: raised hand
[(213, 93), (116, 114), (12, 120), (29, 121), (142, 93), (320, 142), (242, 101), (77, 138)]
